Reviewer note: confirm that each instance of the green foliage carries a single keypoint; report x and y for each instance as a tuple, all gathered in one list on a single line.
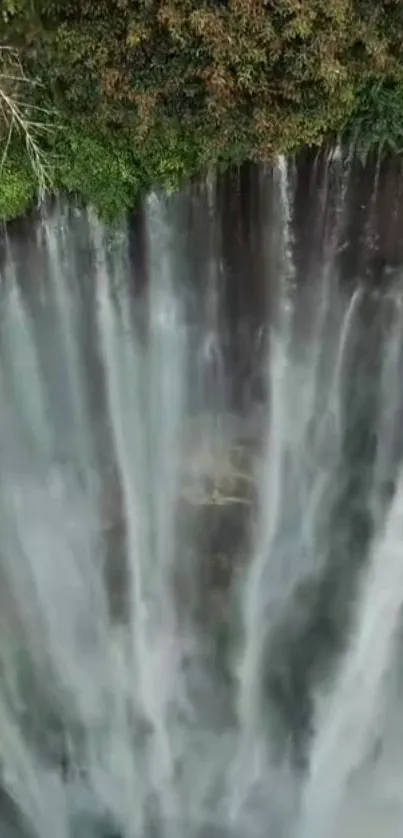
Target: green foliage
[(98, 167), (377, 120), (11, 8), (17, 189), (150, 91)]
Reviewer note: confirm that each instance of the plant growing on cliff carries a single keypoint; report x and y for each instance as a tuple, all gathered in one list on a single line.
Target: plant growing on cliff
[(377, 121), (151, 91)]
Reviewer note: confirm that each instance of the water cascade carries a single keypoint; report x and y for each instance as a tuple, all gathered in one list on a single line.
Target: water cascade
[(201, 493)]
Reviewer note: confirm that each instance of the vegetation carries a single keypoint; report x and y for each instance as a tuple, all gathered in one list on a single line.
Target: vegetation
[(124, 94)]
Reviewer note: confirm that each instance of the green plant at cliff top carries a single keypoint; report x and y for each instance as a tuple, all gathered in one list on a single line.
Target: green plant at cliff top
[(18, 189), (148, 92), (377, 122)]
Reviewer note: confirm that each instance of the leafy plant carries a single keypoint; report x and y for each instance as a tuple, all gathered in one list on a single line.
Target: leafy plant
[(377, 119)]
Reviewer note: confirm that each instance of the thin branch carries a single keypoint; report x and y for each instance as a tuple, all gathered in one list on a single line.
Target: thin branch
[(7, 145), (17, 115), (29, 106)]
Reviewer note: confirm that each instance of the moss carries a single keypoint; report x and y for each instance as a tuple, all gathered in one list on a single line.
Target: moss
[(17, 189)]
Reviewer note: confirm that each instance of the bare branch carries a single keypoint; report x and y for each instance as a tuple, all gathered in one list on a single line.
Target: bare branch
[(18, 117)]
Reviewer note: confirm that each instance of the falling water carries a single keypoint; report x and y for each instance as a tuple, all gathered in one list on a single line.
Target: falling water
[(20, 369), (348, 722), (200, 511), (66, 302)]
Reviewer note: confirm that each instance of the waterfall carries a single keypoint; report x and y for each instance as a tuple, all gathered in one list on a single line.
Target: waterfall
[(347, 722), (201, 490)]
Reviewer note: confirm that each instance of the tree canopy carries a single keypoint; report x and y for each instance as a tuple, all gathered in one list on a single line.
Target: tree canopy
[(121, 95)]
